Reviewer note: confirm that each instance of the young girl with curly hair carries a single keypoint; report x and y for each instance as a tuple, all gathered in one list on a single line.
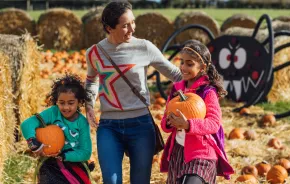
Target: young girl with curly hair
[(66, 97)]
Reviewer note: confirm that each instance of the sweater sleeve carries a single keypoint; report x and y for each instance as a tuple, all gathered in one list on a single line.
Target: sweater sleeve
[(84, 150), (28, 126), (212, 121), (92, 80), (160, 63), (167, 128)]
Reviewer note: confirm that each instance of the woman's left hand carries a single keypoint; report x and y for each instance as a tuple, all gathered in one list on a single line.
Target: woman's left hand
[(179, 122)]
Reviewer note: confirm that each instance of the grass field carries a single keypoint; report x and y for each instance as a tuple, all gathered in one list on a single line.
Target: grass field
[(218, 14)]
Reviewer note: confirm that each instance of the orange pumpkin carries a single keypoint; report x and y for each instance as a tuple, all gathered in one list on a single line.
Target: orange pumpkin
[(244, 111), (277, 174), (268, 120), (160, 101), (275, 143), (263, 168), (284, 163), (237, 133), (250, 169), (50, 135), (190, 104), (248, 178)]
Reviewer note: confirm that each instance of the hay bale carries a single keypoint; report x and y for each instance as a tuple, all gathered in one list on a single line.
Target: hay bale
[(61, 29), (93, 30), (280, 26), (154, 27), (196, 18), (16, 21), (92, 12), (281, 84), (7, 115), (238, 31), (23, 59), (239, 20), (282, 18)]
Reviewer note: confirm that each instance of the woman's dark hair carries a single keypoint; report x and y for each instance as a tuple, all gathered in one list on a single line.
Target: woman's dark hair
[(215, 78), (68, 83), (112, 12)]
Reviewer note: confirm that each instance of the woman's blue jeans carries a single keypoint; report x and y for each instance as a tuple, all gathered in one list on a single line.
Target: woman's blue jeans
[(137, 136)]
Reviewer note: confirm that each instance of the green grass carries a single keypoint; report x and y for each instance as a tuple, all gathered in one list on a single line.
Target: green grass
[(279, 107), (218, 14), (16, 168)]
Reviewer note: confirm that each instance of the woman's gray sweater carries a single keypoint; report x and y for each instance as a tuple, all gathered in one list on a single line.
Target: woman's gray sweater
[(133, 58)]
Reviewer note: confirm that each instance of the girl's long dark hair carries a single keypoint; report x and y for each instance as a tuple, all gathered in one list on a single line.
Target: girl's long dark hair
[(215, 78)]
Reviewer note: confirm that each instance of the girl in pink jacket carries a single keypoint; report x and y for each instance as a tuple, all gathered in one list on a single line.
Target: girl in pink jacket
[(194, 152)]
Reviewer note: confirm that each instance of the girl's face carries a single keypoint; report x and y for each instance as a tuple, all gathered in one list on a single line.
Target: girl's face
[(124, 30), (68, 105), (190, 66)]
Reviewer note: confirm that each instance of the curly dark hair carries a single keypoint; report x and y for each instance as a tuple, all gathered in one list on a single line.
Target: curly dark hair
[(215, 78), (68, 83)]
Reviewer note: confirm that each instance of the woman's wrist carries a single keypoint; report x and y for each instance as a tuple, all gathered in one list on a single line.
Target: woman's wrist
[(89, 106)]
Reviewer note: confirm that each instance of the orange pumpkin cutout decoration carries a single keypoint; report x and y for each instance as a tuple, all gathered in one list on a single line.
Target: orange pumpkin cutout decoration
[(190, 104), (50, 135)]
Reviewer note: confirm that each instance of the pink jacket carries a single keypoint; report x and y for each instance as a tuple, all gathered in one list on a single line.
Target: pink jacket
[(199, 142)]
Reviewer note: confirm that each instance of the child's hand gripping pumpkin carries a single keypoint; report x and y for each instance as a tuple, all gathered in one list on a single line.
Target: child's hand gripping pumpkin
[(38, 148), (179, 122)]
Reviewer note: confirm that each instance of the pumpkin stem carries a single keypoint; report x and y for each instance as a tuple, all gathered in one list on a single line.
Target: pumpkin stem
[(265, 162), (40, 119), (181, 95)]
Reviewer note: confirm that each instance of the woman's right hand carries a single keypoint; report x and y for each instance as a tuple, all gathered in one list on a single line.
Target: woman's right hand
[(90, 114)]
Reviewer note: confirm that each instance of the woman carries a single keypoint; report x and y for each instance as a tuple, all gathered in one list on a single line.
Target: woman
[(125, 122)]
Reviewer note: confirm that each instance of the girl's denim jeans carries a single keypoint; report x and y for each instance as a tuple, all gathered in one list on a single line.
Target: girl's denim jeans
[(137, 135)]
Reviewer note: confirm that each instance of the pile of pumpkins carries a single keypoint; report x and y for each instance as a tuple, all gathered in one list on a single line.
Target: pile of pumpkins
[(274, 174), (63, 62)]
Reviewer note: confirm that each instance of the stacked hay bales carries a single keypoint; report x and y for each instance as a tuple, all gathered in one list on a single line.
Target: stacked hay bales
[(7, 115), (280, 90), (154, 27), (239, 20), (60, 29), (16, 21), (196, 18), (23, 59), (93, 28)]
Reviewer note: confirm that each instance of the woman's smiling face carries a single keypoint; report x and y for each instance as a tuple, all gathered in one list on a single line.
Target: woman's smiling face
[(124, 29)]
